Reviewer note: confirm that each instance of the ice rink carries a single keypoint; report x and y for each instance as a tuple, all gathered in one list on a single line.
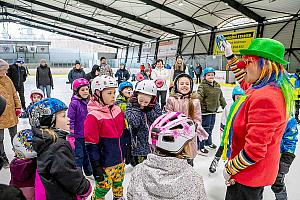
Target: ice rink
[(214, 184)]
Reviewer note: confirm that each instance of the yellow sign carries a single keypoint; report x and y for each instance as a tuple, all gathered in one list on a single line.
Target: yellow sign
[(238, 40)]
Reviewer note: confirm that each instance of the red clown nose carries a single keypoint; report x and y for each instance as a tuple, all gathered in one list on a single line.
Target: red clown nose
[(241, 64)]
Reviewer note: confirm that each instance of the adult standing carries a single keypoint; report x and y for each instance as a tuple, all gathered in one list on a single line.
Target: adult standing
[(198, 72), (161, 74), (17, 73), (44, 79), (95, 72), (257, 120), (191, 71), (105, 68), (296, 83), (9, 118), (178, 68), (122, 74), (76, 72)]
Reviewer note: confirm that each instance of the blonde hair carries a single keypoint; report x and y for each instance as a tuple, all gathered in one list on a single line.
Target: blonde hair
[(52, 133)]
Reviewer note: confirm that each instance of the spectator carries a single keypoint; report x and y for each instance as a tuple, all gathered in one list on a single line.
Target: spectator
[(105, 68), (76, 72), (44, 79), (160, 73), (147, 74), (198, 72), (178, 68), (95, 72), (122, 74), (9, 119), (191, 71), (17, 73)]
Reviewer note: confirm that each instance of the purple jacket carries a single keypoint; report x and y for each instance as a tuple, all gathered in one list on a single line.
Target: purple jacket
[(77, 113)]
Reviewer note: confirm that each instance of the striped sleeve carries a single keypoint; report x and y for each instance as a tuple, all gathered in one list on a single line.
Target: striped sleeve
[(232, 64), (239, 163)]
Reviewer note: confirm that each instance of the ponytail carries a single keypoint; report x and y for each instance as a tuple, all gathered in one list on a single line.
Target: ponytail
[(191, 109)]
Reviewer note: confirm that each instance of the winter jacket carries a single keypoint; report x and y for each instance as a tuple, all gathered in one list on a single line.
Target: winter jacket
[(177, 69), (198, 70), (105, 69), (122, 75), (295, 80), (91, 75), (164, 178), (161, 74), (140, 122), (122, 103), (23, 176), (7, 90), (180, 103), (224, 118), (12, 193), (56, 166), (211, 96), (103, 130), (75, 74), (289, 139), (43, 76), (191, 71), (257, 131), (77, 113), (18, 75)]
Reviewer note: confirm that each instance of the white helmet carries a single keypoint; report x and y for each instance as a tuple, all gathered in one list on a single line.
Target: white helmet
[(171, 131), (146, 87), (102, 82), (22, 143), (37, 91)]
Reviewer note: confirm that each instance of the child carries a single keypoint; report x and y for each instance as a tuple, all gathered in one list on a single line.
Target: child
[(77, 113), (35, 96), (187, 102), (211, 97), (55, 162), (236, 93), (125, 92), (105, 142), (287, 150), (147, 74), (166, 174), (23, 166), (141, 112)]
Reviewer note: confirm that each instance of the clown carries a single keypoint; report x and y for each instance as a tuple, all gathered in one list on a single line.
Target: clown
[(258, 120)]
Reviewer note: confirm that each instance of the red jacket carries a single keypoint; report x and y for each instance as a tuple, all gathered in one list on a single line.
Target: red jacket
[(258, 129)]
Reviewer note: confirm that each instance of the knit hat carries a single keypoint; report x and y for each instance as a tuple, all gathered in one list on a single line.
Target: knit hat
[(77, 62), (20, 60), (266, 48)]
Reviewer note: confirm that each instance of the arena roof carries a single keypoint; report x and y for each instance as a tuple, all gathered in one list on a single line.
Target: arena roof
[(118, 23)]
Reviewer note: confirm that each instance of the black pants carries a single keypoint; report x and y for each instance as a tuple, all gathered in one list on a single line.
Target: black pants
[(21, 95), (12, 133), (198, 80), (242, 192), (279, 188), (297, 105), (162, 96)]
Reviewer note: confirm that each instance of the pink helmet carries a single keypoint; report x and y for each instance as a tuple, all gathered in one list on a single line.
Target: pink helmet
[(78, 83), (171, 131)]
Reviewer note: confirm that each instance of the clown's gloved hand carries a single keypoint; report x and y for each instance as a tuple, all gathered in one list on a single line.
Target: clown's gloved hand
[(227, 49)]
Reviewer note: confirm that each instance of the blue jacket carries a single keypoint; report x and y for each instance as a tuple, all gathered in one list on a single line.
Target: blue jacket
[(77, 113), (139, 122), (289, 138)]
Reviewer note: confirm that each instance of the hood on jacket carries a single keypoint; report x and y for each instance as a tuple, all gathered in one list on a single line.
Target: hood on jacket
[(94, 105), (75, 98), (164, 176), (23, 169), (42, 140)]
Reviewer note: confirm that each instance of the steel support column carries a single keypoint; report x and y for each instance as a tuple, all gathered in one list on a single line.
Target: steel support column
[(212, 42), (156, 49), (291, 45), (260, 30), (140, 53), (126, 55), (179, 46)]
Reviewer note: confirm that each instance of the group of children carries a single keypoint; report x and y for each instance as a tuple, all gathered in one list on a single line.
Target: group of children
[(101, 132)]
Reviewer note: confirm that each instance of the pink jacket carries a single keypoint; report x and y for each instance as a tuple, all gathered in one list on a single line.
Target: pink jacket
[(179, 103)]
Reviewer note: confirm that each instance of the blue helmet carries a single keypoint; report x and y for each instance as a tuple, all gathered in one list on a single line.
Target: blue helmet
[(237, 90), (42, 113), (124, 85), (208, 70)]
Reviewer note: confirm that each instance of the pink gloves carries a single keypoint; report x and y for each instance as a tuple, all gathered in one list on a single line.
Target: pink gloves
[(18, 112)]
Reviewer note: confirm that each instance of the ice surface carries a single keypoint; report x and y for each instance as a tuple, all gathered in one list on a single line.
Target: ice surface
[(214, 184)]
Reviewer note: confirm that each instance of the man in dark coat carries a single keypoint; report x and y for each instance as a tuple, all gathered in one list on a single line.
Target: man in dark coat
[(76, 72), (17, 73), (122, 74)]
